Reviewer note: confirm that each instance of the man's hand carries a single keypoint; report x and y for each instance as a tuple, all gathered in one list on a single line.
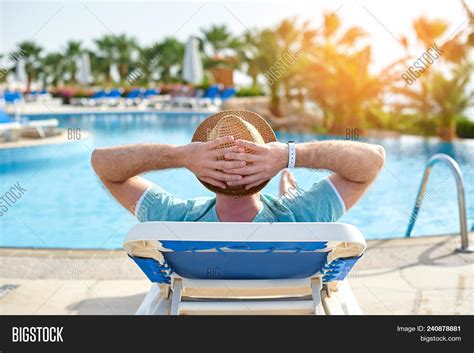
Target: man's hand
[(201, 158), (265, 162)]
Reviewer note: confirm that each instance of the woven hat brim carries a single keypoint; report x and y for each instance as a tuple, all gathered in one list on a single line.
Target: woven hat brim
[(265, 130)]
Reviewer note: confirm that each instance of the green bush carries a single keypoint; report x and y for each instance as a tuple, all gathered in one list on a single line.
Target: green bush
[(464, 128), (249, 92), (202, 86), (412, 124), (321, 130), (376, 118), (425, 127), (3, 74), (81, 94)]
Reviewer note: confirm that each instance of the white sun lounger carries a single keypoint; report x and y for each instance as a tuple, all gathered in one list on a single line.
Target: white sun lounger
[(10, 132), (246, 268), (40, 128)]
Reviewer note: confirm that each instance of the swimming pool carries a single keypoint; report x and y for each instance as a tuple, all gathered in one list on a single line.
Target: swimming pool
[(65, 206)]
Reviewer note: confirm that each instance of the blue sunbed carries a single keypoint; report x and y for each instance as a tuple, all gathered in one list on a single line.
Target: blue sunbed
[(212, 92), (12, 97), (227, 93), (134, 93), (198, 261), (114, 93), (152, 92), (99, 95)]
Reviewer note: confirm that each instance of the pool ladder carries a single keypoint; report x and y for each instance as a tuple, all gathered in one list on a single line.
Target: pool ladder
[(454, 167)]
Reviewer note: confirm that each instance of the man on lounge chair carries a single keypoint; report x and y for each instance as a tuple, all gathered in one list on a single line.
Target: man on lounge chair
[(235, 154)]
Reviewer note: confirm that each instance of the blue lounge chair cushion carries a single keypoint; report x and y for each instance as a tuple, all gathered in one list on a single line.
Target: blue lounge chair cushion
[(99, 94), (244, 260), (12, 97), (114, 93), (245, 265), (134, 93), (246, 245), (151, 92), (212, 92), (228, 93)]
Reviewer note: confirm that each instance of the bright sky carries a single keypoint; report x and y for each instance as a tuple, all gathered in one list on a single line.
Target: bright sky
[(51, 24)]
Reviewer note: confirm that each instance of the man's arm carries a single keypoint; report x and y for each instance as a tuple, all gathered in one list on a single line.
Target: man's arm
[(355, 164), (119, 167)]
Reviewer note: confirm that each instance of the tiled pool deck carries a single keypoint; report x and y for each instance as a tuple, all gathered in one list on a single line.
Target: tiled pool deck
[(395, 276)]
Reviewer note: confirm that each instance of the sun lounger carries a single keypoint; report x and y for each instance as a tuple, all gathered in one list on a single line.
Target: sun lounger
[(187, 104), (133, 97), (95, 100), (228, 93), (13, 97), (40, 128), (98, 98), (212, 95), (150, 93), (134, 93), (212, 92), (10, 132), (38, 96), (113, 97), (114, 93), (99, 95), (101, 98), (9, 129), (246, 268)]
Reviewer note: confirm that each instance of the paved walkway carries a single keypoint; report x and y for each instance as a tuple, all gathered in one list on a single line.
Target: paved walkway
[(397, 276)]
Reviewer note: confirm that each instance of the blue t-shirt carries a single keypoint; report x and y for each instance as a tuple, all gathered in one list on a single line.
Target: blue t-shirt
[(321, 203)]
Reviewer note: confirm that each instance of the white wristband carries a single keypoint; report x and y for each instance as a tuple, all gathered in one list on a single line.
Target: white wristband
[(291, 154)]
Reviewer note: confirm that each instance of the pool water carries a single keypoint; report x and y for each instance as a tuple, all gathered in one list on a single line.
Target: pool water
[(65, 205)]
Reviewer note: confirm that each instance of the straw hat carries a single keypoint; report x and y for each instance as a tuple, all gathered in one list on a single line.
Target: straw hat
[(242, 125)]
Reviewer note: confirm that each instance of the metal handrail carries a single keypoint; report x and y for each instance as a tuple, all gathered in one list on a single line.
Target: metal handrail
[(454, 166)]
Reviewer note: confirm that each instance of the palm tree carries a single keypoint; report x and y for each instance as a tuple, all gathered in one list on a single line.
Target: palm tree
[(118, 50), (53, 68), (297, 40), (105, 57), (450, 98), (99, 67), (218, 39), (125, 48), (439, 95), (338, 76), (30, 53), (169, 63), (269, 52), (470, 28), (71, 53), (3, 70), (147, 65), (220, 47), (247, 54), (277, 54)]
